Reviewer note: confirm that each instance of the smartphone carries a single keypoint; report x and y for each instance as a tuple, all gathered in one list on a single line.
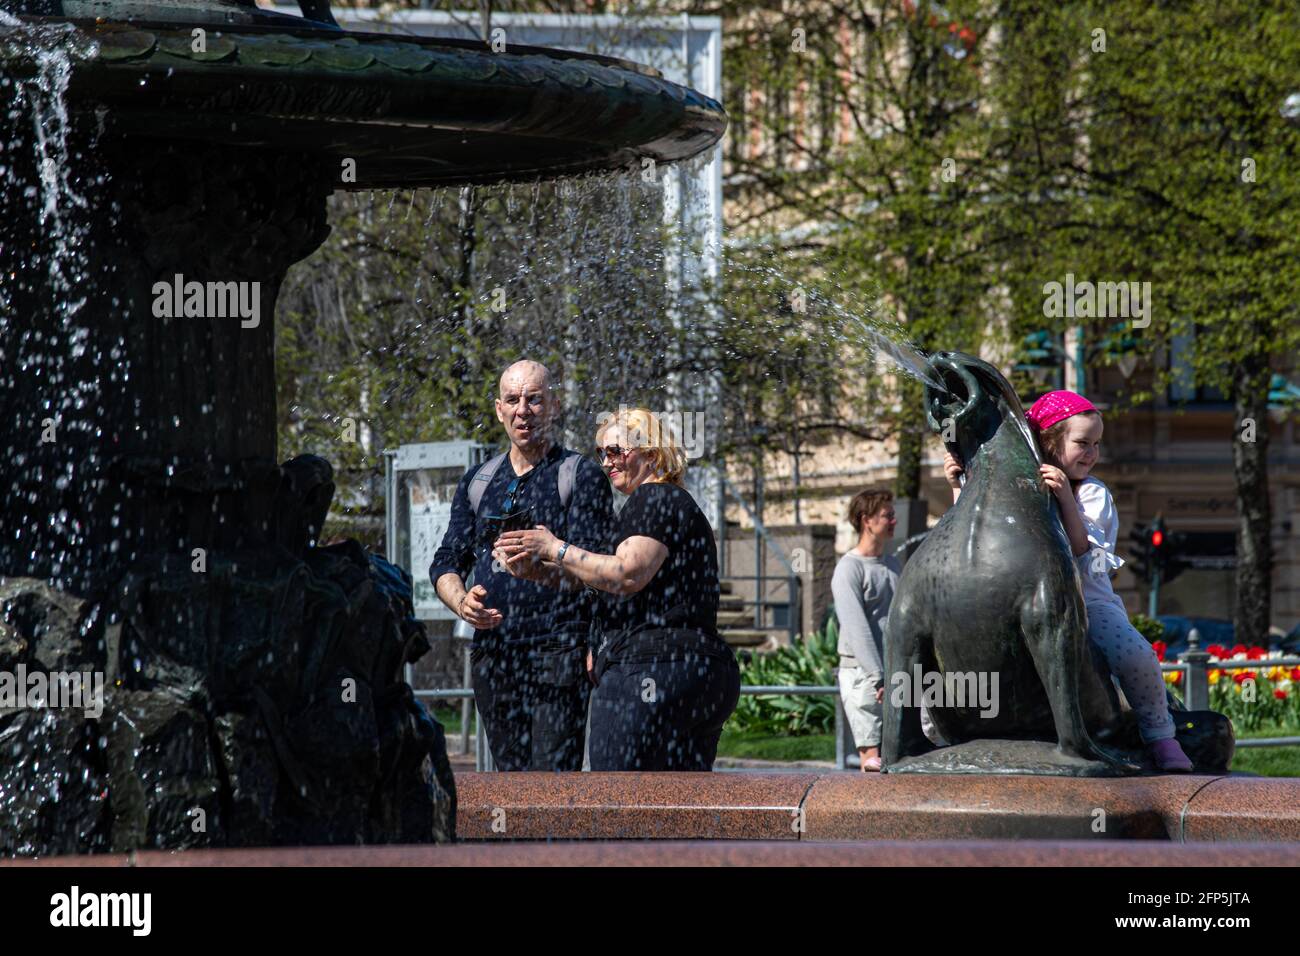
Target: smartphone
[(518, 521), (496, 525)]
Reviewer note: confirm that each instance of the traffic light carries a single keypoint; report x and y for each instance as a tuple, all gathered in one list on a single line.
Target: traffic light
[(1158, 546), (1140, 555), (1155, 557), (1167, 546)]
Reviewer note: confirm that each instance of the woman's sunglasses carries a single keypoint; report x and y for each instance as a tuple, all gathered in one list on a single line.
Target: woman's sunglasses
[(612, 451)]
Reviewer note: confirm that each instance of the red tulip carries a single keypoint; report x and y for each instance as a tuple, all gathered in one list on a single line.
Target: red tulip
[(1159, 647), (1217, 650), (1279, 694), (1256, 654), (1242, 676), (1238, 648), (1295, 673)]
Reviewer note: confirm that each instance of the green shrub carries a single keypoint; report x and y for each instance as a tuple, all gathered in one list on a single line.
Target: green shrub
[(813, 661), (1148, 627)]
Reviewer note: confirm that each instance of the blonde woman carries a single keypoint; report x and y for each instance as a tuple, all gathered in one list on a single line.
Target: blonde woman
[(665, 681)]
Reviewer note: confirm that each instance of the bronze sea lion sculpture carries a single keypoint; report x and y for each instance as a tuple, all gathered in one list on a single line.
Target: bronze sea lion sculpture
[(991, 600)]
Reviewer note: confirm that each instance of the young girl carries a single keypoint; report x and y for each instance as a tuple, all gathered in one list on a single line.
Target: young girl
[(1068, 428)]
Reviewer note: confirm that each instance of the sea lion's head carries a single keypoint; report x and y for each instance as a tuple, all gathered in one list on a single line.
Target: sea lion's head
[(975, 401)]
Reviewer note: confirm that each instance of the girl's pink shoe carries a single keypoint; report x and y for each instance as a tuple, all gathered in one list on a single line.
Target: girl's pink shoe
[(1168, 756), (871, 765)]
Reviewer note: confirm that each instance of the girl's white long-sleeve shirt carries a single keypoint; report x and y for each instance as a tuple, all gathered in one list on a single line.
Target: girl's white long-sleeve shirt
[(1101, 523)]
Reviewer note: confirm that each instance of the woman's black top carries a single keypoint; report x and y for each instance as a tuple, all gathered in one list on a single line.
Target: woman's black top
[(684, 591)]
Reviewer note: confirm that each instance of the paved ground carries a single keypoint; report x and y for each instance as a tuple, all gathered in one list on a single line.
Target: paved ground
[(464, 763), (746, 763), (721, 853)]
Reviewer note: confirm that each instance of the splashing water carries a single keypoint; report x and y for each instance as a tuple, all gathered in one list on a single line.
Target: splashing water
[(44, 98), (42, 185), (865, 326)]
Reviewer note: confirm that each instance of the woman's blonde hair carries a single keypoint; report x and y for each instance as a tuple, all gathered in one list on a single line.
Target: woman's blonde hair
[(642, 429)]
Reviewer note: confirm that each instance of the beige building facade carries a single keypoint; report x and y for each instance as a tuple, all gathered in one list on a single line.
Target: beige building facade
[(1167, 458)]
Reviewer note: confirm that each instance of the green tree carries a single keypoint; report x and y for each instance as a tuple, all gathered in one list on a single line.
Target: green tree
[(873, 160), (1186, 163)]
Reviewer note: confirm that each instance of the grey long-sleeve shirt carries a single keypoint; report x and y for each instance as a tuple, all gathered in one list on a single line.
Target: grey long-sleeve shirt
[(863, 589)]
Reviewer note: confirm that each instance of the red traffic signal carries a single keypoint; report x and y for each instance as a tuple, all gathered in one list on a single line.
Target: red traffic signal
[(1164, 550)]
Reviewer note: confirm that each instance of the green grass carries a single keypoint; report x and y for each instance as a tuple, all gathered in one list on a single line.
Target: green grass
[(754, 745), (750, 745), (747, 745), (1269, 761), (449, 717)]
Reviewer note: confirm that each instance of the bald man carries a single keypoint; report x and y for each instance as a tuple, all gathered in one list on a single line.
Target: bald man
[(530, 638)]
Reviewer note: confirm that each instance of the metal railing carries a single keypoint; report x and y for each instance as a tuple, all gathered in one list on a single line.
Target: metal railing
[(483, 756), (793, 602), (1194, 663), (482, 753), (809, 690), (762, 539)]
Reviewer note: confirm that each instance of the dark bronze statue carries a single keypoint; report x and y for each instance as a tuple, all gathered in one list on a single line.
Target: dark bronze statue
[(993, 591)]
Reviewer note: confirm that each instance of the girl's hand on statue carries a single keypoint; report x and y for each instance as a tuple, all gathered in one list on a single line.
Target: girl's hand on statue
[(952, 470), (1056, 481)]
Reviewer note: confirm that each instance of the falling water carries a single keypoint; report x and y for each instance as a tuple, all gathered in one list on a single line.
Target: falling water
[(44, 98), (52, 196), (866, 327)]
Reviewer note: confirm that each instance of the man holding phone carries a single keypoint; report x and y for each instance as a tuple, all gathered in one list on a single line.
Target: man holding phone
[(530, 640)]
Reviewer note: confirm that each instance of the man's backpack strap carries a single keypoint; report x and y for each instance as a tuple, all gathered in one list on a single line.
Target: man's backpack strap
[(568, 477), (478, 484)]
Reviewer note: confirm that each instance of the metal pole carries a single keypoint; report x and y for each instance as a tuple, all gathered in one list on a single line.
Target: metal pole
[(478, 742), (841, 757), (390, 532), (482, 752), (796, 606), (1197, 694), (760, 559), (722, 528), (1154, 597), (466, 707), (797, 519), (390, 512)]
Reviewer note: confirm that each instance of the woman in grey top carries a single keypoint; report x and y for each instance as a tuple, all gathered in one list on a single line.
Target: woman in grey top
[(863, 588)]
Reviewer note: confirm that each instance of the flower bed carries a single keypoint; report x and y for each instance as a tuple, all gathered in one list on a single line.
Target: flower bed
[(1244, 686)]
